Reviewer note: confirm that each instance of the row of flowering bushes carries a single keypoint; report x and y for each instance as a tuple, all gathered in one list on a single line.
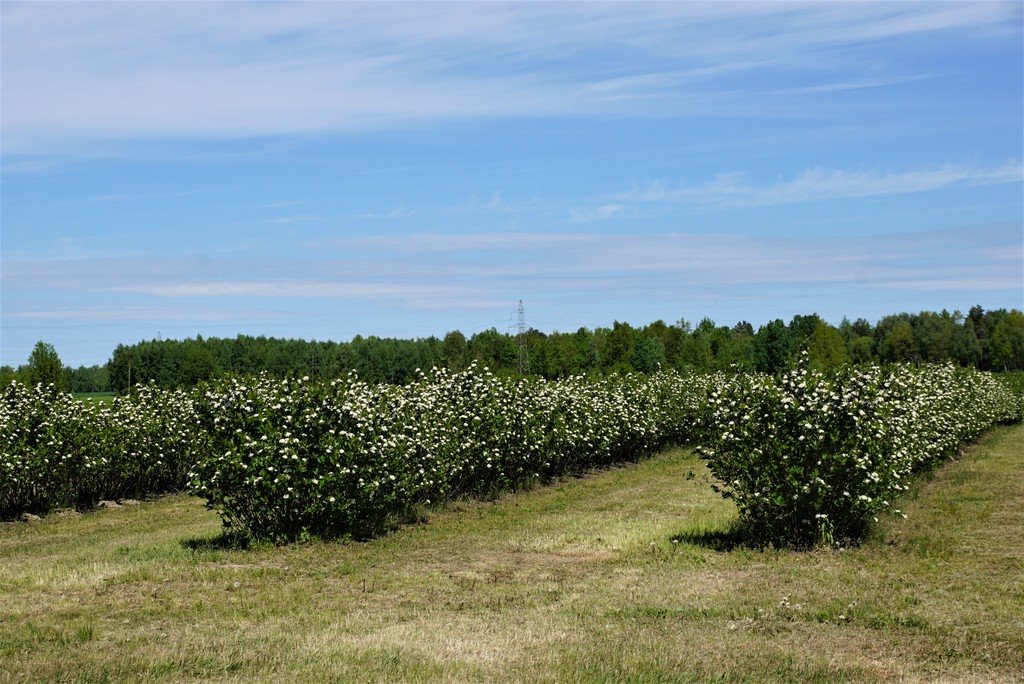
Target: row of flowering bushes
[(294, 458), (807, 457), (58, 452), (810, 457)]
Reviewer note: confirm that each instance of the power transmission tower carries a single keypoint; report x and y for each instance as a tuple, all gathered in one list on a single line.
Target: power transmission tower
[(524, 359)]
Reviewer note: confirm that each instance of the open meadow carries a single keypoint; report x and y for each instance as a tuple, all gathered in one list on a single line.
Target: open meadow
[(628, 574)]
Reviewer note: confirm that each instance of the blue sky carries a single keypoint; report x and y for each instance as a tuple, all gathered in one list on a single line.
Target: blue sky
[(322, 170)]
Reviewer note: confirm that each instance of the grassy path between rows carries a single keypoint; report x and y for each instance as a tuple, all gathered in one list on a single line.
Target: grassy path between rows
[(576, 582)]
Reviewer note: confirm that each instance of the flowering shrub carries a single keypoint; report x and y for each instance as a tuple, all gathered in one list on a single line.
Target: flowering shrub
[(812, 457), (806, 456), (293, 458), (1013, 381), (60, 452)]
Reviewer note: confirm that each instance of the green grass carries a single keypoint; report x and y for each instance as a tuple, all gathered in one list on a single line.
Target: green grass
[(102, 397), (576, 582)]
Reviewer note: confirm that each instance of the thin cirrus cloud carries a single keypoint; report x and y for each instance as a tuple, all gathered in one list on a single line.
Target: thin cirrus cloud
[(85, 73), (93, 314), (430, 271), (731, 190), (842, 86), (298, 218), (495, 204), (989, 254), (292, 288), (601, 212)]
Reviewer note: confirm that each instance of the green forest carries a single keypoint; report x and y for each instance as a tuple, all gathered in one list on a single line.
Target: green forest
[(989, 340)]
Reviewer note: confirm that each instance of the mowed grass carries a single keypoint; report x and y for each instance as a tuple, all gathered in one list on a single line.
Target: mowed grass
[(581, 581), (101, 397)]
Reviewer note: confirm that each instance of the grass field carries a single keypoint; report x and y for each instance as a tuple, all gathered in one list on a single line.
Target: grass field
[(626, 575), (103, 397)]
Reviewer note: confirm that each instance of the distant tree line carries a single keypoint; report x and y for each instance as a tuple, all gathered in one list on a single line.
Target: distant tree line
[(44, 366), (990, 340)]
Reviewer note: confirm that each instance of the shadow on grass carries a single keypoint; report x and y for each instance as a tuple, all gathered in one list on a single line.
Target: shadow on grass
[(739, 537), (225, 541), (722, 541)]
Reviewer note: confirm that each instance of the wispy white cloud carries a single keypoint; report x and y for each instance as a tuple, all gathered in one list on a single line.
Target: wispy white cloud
[(144, 196), (298, 218), (731, 190), (75, 73), (859, 84), (602, 212), (983, 256), (644, 84), (496, 204), (151, 312), (446, 270), (278, 205), (396, 213), (290, 289)]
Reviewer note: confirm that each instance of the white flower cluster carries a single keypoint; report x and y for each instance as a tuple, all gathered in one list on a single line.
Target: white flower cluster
[(57, 452), (811, 457), (294, 458)]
